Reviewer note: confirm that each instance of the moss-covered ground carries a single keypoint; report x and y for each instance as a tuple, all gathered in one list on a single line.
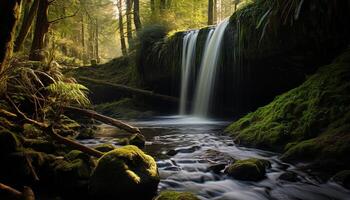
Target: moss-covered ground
[(308, 123)]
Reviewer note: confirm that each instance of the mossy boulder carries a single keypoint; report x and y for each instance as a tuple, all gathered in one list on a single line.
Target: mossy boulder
[(174, 195), (104, 147), (250, 169), (342, 178), (42, 145), (125, 172), (8, 142), (72, 173), (137, 140)]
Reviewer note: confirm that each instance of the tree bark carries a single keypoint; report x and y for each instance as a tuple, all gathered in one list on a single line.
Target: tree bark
[(137, 20), (9, 15), (121, 27), (26, 25), (41, 29), (128, 22), (210, 12)]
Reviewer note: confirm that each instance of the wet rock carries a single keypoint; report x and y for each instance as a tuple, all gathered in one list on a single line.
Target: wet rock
[(137, 140), (342, 178), (8, 142), (86, 133), (171, 152), (216, 168), (125, 172), (121, 141), (173, 195), (217, 156), (188, 150), (289, 176), (104, 147), (250, 169)]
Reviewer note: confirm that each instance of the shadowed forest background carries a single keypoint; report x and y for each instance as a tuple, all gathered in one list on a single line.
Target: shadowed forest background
[(174, 99)]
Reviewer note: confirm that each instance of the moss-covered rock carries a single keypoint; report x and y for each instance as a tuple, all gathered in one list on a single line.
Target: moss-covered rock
[(137, 140), (250, 169), (174, 195), (71, 174), (308, 123), (104, 147), (42, 145), (125, 172), (342, 178), (8, 142)]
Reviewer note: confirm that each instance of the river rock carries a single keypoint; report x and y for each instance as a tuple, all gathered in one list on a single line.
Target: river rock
[(250, 169), (216, 168), (289, 176), (104, 147), (125, 173), (173, 195), (342, 178), (171, 152), (137, 140)]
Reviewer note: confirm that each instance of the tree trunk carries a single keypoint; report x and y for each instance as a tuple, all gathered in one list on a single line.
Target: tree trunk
[(96, 42), (41, 29), (210, 12), (128, 22), (162, 5), (137, 20), (27, 23), (9, 15), (83, 55), (121, 28), (153, 7)]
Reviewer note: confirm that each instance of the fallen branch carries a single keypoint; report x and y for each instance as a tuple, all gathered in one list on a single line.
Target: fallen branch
[(73, 144), (11, 193), (54, 135), (105, 119), (132, 91)]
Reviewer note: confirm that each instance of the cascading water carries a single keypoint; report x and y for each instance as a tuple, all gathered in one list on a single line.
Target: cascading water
[(207, 74), (188, 59)]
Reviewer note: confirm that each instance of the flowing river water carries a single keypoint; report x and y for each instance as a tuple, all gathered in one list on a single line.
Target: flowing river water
[(195, 144)]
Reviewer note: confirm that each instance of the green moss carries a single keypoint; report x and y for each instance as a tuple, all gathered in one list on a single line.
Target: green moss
[(250, 169), (121, 172), (310, 122), (174, 195)]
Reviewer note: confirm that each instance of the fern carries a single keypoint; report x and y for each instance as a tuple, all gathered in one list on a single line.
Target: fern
[(66, 93)]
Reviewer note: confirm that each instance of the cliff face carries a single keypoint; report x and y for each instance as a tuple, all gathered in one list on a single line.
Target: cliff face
[(269, 47)]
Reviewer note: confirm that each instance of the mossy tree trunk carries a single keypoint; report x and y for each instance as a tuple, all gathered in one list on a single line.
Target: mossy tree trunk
[(137, 20), (41, 29), (9, 15), (26, 25)]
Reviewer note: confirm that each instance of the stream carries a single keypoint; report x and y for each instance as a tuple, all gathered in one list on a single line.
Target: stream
[(186, 147)]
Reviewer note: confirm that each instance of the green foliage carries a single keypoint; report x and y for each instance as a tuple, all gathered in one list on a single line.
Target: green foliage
[(66, 93)]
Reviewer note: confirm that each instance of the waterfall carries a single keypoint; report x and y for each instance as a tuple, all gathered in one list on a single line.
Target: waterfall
[(188, 60), (207, 74)]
